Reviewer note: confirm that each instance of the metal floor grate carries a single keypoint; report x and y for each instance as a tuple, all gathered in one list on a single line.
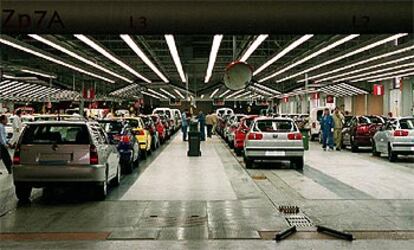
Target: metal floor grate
[(299, 221)]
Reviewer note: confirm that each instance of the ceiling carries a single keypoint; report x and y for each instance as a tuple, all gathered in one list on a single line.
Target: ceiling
[(383, 59)]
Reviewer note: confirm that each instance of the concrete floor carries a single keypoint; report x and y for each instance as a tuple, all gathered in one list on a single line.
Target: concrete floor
[(177, 202)]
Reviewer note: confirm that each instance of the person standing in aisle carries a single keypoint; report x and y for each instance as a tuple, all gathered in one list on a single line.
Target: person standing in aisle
[(202, 121), (209, 124), (184, 124), (327, 127), (4, 152), (215, 121), (338, 119), (17, 127)]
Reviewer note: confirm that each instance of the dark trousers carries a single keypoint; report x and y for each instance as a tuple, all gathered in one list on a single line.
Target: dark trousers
[(327, 139), (5, 157), (184, 129), (209, 129), (202, 131)]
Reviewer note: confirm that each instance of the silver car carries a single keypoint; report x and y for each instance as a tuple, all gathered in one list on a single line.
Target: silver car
[(274, 139), (57, 153), (395, 138)]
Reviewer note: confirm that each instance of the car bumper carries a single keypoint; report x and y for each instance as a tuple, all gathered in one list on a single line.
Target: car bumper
[(125, 156), (364, 141), (403, 148), (277, 153), (42, 175)]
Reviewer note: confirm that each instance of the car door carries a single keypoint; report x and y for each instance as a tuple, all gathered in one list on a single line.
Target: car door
[(346, 134), (379, 138), (112, 152)]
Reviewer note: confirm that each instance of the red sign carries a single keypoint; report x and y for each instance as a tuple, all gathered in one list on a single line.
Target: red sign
[(378, 89), (329, 99), (286, 99), (88, 93), (315, 96)]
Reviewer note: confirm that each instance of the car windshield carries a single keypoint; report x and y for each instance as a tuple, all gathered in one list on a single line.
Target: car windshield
[(159, 112), (112, 127), (319, 115), (275, 126), (370, 119), (154, 118), (248, 122), (407, 123), (56, 134), (133, 123)]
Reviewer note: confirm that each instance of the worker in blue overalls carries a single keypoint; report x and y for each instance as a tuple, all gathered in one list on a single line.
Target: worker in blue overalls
[(327, 128)]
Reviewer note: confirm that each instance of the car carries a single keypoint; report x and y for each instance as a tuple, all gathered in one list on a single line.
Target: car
[(231, 128), (274, 138), (53, 154), (358, 132), (59, 117), (9, 126), (143, 136), (395, 138), (241, 132), (177, 116), (121, 135), (160, 128), (222, 123), (150, 126), (167, 126), (315, 117), (224, 111), (171, 117)]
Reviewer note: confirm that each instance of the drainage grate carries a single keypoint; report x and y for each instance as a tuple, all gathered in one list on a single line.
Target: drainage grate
[(299, 221), (289, 209)]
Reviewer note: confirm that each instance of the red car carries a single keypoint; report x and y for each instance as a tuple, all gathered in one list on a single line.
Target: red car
[(359, 130), (166, 122), (160, 128), (240, 133)]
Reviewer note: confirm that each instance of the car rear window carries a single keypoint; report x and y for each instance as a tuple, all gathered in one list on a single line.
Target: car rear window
[(370, 119), (275, 126), (407, 123), (56, 134), (112, 127)]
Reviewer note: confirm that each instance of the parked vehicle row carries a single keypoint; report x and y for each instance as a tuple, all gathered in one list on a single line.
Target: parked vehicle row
[(54, 152), (262, 138)]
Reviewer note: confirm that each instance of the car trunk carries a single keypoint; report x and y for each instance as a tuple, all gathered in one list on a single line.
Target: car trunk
[(39, 154)]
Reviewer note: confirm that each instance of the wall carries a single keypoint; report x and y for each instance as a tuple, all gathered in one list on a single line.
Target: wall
[(359, 107), (375, 105)]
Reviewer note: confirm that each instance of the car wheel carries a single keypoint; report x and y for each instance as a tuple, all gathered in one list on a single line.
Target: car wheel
[(392, 157), (374, 149), (117, 180), (354, 148), (23, 192), (144, 154), (297, 163), (128, 167), (249, 162), (101, 190), (231, 144), (238, 151)]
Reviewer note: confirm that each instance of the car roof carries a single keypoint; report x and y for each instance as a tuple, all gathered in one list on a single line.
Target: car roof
[(77, 122), (273, 118)]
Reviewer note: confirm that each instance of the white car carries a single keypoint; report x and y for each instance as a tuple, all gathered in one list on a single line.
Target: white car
[(177, 116), (315, 118), (395, 138), (170, 114), (224, 111)]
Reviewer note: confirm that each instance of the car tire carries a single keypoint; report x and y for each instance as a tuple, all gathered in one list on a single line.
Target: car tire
[(392, 157), (128, 167), (374, 150), (297, 163), (117, 180), (238, 151), (249, 162), (144, 154), (354, 148), (101, 190), (23, 192), (231, 145)]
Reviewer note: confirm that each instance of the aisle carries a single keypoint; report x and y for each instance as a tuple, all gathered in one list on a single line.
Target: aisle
[(174, 176)]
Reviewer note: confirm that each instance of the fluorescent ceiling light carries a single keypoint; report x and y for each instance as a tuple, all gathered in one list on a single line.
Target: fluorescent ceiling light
[(253, 47), (235, 93), (244, 94), (391, 77), (266, 88), (213, 56), (224, 93), (374, 72), (149, 94), (52, 59), (179, 93), (388, 54), (37, 73), (283, 53), (108, 55), (80, 58), (176, 58), (167, 93), (156, 93), (349, 54), (315, 54), (382, 75), (214, 92), (365, 68), (142, 55), (201, 96)]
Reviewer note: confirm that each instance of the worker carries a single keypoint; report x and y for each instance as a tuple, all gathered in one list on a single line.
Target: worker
[(17, 127), (184, 124), (202, 121), (338, 119), (209, 124), (215, 121), (4, 152), (327, 127)]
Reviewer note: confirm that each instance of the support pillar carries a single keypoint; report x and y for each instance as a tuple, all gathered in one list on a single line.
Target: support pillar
[(407, 97), (386, 101)]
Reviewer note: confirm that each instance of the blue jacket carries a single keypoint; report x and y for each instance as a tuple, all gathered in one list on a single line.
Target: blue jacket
[(327, 123)]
